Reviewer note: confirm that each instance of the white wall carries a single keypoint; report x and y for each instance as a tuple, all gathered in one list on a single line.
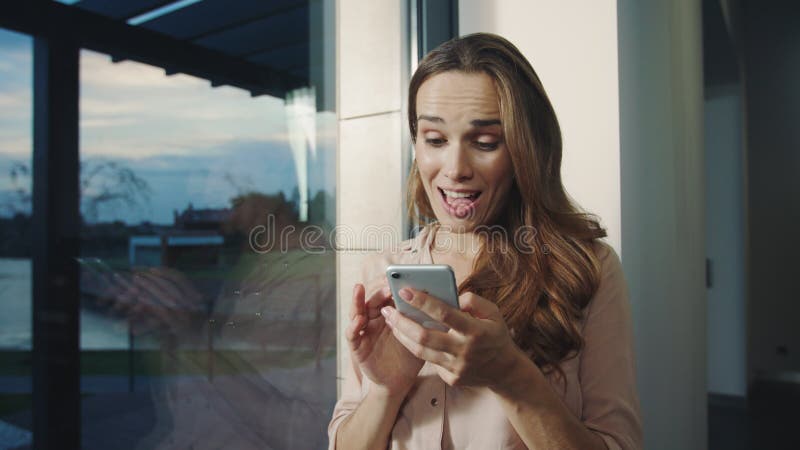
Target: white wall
[(725, 241), (626, 81), (572, 45), (663, 229)]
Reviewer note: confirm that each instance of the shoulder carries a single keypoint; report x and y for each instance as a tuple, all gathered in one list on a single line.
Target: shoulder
[(612, 287), (605, 252), (607, 368), (609, 260)]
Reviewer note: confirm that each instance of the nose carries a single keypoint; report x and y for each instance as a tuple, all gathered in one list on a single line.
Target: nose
[(457, 166)]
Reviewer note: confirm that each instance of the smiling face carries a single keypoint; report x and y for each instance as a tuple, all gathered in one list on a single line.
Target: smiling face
[(461, 156)]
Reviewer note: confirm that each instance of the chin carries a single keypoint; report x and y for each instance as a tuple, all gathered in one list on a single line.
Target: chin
[(458, 226)]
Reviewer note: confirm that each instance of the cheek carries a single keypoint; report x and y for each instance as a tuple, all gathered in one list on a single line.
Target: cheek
[(498, 170), (426, 165)]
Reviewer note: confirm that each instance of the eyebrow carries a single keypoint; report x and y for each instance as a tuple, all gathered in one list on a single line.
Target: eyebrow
[(477, 123)]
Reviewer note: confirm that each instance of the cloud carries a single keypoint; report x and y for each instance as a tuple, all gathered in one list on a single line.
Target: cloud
[(107, 122), (17, 109), (98, 106), (16, 146), (16, 60), (20, 100), (98, 70)]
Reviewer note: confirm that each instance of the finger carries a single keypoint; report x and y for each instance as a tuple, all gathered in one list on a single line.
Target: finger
[(187, 295), (156, 292), (379, 296), (153, 301), (437, 309), (354, 328), (142, 294), (478, 306), (161, 285), (378, 300), (353, 332), (122, 280), (154, 311), (357, 306), (419, 350), (447, 375), (129, 297), (176, 285), (440, 341)]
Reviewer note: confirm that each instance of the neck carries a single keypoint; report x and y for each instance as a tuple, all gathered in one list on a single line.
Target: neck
[(457, 244)]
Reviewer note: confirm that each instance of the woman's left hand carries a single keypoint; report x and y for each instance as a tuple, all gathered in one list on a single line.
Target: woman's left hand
[(477, 350)]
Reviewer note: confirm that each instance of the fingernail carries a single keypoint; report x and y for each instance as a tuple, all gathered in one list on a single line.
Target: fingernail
[(406, 294), (386, 311)]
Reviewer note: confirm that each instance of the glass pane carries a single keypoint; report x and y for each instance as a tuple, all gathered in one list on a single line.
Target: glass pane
[(15, 239), (195, 331)]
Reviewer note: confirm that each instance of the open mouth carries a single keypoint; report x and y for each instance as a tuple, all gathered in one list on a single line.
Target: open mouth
[(459, 204)]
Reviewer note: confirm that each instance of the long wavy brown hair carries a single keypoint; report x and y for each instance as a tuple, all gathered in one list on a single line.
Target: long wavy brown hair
[(543, 281)]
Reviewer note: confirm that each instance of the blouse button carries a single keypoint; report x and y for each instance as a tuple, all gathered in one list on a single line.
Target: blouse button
[(434, 402)]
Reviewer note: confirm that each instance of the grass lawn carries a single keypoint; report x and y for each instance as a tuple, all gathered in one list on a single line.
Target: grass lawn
[(183, 362)]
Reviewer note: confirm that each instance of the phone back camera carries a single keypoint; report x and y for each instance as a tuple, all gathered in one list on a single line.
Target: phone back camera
[(395, 275)]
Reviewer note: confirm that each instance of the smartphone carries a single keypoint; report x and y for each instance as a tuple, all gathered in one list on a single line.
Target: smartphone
[(437, 280)]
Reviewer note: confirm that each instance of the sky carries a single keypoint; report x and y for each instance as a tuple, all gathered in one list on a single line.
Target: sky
[(190, 142)]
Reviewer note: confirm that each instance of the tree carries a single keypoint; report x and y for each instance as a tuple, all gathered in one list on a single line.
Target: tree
[(102, 183), (108, 183), (19, 199)]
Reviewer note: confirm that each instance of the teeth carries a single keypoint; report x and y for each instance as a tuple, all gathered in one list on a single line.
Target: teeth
[(453, 194)]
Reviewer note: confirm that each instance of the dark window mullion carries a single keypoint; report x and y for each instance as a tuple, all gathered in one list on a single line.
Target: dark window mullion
[(56, 223), (437, 22)]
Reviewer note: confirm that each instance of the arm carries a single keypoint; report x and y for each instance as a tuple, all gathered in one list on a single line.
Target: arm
[(364, 421), (370, 425), (478, 351), (607, 372), (536, 412), (365, 414)]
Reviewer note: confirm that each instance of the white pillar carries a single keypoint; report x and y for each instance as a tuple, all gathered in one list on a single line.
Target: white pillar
[(663, 216), (369, 189)]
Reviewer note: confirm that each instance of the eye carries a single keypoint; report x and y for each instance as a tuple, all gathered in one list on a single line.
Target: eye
[(487, 146), (435, 142)]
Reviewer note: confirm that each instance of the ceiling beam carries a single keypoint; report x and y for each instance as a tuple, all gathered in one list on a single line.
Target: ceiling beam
[(44, 18)]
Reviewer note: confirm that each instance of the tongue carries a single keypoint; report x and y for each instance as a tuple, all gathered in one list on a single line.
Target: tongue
[(457, 202)]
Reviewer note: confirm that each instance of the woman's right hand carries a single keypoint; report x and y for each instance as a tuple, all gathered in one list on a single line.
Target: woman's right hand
[(383, 359)]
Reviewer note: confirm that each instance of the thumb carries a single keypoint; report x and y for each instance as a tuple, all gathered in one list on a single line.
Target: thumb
[(478, 306)]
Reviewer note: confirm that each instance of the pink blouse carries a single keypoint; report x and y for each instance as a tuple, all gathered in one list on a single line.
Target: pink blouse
[(600, 381)]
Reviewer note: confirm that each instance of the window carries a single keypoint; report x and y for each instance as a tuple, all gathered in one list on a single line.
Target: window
[(193, 327), (207, 195), (15, 239)]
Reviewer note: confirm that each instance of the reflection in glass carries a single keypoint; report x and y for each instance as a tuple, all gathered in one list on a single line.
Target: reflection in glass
[(15, 239), (190, 337)]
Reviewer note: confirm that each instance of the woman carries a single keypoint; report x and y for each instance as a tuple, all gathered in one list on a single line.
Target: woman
[(539, 355)]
